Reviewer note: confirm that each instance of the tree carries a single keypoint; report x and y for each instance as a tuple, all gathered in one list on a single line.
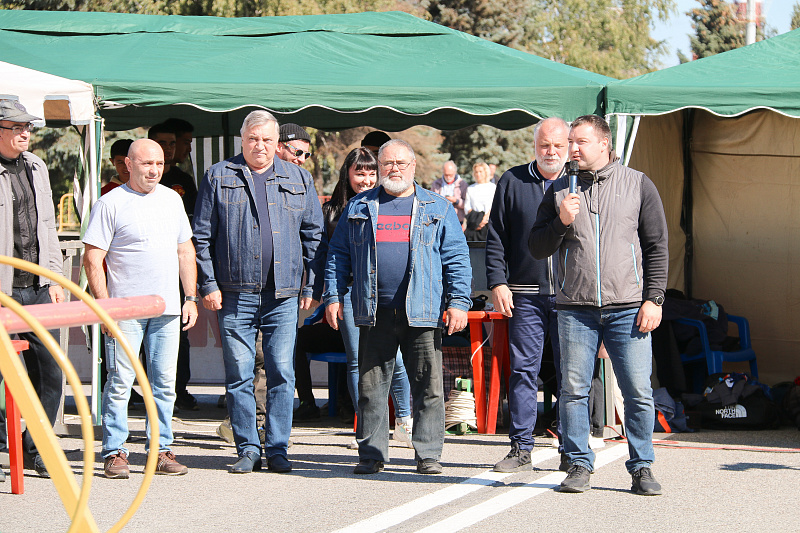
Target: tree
[(718, 28), (610, 37), (795, 16)]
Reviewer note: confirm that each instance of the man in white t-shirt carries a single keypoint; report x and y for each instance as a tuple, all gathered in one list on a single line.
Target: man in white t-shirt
[(142, 232)]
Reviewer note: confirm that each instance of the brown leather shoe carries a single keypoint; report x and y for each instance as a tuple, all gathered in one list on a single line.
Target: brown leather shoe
[(169, 466), (116, 466)]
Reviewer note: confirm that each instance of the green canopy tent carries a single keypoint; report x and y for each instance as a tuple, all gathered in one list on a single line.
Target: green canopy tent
[(386, 70), (719, 136)]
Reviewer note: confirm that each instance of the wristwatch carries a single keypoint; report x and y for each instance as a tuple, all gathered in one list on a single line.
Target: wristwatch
[(658, 300), (195, 299)]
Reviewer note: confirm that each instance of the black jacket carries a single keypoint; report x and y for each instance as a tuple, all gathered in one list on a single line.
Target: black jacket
[(519, 192)]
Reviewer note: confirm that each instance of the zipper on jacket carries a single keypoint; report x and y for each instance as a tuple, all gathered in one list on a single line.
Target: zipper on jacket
[(596, 196), (552, 287), (597, 256), (635, 269), (566, 254)]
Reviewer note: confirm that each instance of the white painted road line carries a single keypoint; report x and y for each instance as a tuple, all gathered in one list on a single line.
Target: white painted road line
[(513, 497), (400, 514)]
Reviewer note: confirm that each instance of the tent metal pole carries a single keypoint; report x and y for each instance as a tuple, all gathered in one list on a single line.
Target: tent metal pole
[(687, 212), (227, 142)]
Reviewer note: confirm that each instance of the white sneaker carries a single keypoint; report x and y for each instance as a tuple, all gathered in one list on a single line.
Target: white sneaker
[(402, 431), (352, 445)]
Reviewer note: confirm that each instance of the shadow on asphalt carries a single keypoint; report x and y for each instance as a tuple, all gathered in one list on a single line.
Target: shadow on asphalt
[(743, 467)]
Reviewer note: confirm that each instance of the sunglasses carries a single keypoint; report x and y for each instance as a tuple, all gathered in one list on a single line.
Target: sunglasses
[(296, 151)]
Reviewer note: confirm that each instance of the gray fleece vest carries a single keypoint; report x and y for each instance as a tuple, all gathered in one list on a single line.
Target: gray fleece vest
[(600, 258)]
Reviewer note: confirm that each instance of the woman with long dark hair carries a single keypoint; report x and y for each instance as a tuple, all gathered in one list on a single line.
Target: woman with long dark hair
[(359, 173)]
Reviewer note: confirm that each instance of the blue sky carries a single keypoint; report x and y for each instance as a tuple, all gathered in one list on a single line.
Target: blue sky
[(677, 28)]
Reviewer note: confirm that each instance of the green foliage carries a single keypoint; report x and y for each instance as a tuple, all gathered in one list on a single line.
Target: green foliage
[(60, 149), (718, 29), (506, 23), (487, 144), (610, 37), (220, 8), (795, 23)]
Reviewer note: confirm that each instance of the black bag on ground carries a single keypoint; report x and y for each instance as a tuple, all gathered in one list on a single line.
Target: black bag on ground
[(733, 401)]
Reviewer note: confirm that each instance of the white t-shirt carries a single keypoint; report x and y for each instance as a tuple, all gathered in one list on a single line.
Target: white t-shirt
[(479, 197), (141, 233)]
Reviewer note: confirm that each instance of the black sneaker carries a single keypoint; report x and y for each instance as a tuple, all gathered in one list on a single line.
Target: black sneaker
[(516, 461), (429, 466), (186, 402), (577, 479), (643, 482), (564, 464), (306, 411), (35, 463), (368, 466)]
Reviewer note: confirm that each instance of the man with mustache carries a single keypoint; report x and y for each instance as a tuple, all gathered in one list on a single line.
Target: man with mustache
[(409, 263), (523, 284)]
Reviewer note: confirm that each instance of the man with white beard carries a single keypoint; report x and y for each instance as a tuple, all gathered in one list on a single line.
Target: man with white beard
[(409, 262), (523, 284)]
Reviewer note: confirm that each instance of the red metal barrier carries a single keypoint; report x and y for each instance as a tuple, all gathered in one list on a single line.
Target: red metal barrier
[(71, 314)]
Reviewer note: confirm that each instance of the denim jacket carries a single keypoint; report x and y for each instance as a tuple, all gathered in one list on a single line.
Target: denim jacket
[(441, 274), (227, 234)]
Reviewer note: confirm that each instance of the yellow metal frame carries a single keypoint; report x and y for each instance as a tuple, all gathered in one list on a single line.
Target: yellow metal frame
[(75, 502)]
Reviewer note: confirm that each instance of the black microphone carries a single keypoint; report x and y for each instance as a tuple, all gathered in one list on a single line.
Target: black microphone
[(573, 177)]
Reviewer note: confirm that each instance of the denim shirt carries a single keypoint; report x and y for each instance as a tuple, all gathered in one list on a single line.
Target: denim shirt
[(441, 275), (227, 233)]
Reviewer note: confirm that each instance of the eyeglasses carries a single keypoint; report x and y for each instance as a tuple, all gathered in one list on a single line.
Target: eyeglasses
[(402, 165), (16, 130), (297, 152)]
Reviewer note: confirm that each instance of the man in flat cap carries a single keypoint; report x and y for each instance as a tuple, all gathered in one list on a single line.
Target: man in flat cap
[(28, 231)]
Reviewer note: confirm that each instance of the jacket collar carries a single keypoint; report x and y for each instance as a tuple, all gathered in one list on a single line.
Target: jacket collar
[(280, 166), (533, 170), (604, 173)]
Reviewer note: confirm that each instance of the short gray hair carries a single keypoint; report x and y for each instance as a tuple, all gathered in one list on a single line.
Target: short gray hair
[(258, 118), (560, 121), (394, 142)]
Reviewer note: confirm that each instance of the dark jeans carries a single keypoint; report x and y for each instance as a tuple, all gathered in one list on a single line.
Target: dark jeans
[(534, 319), (43, 371), (422, 356)]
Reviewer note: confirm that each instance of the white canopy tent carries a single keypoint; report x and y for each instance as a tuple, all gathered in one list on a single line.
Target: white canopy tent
[(63, 102), (54, 98)]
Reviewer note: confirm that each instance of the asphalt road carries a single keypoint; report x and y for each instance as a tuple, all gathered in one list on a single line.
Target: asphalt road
[(713, 481)]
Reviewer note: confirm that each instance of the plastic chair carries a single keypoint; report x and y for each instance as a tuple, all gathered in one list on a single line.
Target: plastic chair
[(715, 358), (332, 358)]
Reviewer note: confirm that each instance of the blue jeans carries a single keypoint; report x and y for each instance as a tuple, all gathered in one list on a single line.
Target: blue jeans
[(401, 389), (534, 318), (161, 336), (422, 353), (630, 351), (242, 315)]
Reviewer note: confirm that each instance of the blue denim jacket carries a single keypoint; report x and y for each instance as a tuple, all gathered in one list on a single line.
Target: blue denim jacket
[(227, 235), (441, 275)]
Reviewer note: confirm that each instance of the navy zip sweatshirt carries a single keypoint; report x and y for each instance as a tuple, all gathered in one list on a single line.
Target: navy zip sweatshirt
[(519, 192)]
